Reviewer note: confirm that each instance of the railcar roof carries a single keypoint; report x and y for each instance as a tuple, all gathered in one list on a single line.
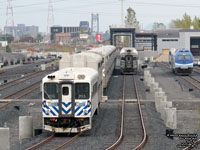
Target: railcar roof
[(133, 50), (91, 56), (89, 73), (105, 50)]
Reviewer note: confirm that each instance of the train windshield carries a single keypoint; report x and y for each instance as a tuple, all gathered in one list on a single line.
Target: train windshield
[(184, 57), (82, 91), (51, 91)]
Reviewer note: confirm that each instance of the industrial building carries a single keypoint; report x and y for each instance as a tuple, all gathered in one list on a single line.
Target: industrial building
[(66, 31), (69, 32), (178, 38)]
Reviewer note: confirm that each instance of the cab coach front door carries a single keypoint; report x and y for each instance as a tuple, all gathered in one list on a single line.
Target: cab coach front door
[(66, 100)]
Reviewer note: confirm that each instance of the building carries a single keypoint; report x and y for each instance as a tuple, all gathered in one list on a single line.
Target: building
[(62, 37), (179, 38), (84, 27), (3, 43), (72, 31), (21, 30)]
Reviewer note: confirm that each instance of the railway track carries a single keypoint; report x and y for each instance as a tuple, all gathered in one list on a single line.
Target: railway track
[(18, 81), (196, 83), (189, 79), (23, 92), (123, 134), (47, 143), (20, 92), (5, 105), (193, 146), (192, 81)]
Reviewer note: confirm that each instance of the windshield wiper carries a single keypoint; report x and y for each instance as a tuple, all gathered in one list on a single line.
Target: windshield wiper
[(49, 97)]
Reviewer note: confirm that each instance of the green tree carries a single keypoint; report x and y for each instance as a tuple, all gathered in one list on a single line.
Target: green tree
[(130, 19), (196, 23), (186, 22), (39, 37), (8, 49), (157, 26)]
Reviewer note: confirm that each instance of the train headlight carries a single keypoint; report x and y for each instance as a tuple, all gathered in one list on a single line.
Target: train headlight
[(48, 111), (49, 104), (85, 111), (81, 76)]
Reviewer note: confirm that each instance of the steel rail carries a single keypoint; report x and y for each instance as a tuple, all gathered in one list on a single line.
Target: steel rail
[(190, 82), (67, 143), (33, 88), (192, 146), (196, 70), (24, 94), (187, 80), (198, 87), (21, 90), (145, 137), (5, 105), (18, 81), (120, 139), (36, 146), (11, 74)]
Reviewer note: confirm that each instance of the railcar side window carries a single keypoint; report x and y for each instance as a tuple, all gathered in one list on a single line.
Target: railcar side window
[(50, 91), (82, 91), (65, 91)]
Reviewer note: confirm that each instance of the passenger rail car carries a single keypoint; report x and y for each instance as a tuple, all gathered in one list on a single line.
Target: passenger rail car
[(80, 60), (70, 97), (129, 61), (109, 54), (181, 61)]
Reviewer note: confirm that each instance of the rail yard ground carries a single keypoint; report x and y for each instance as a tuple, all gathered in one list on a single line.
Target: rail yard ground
[(106, 125)]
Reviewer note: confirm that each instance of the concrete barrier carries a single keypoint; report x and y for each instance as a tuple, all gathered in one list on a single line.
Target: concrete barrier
[(160, 94), (164, 104), (43, 67), (164, 107), (25, 127), (149, 81), (155, 85), (160, 103), (4, 139), (157, 90), (170, 118), (147, 77)]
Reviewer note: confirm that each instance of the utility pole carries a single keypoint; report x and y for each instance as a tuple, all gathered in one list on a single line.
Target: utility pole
[(50, 18), (9, 18), (122, 13)]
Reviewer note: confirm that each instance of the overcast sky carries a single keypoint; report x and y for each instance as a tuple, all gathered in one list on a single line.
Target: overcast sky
[(70, 12)]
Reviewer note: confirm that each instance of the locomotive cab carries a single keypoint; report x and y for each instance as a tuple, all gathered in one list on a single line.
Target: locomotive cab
[(129, 61)]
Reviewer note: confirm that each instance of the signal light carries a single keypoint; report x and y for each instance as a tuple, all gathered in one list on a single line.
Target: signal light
[(51, 77), (53, 119), (88, 103), (80, 119)]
